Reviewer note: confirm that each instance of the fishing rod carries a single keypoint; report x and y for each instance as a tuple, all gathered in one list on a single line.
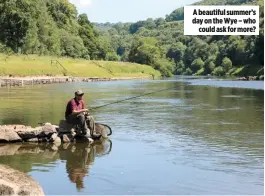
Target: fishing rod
[(131, 98)]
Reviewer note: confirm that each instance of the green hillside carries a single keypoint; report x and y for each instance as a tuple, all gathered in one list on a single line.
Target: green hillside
[(178, 14), (160, 43), (54, 28), (34, 65)]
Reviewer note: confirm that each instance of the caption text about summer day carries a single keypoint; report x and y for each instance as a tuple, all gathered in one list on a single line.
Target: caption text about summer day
[(221, 20)]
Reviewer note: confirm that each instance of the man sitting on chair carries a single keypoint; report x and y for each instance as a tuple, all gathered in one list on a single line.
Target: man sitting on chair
[(75, 113)]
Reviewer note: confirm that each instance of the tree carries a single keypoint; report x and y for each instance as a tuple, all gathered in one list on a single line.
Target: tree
[(176, 51), (197, 64), (143, 51), (226, 64), (14, 24)]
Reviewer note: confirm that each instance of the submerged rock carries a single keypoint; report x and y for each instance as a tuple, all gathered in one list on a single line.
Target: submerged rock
[(53, 137), (66, 139), (33, 140)]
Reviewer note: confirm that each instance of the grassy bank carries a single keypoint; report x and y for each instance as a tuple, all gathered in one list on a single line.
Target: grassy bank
[(33, 65)]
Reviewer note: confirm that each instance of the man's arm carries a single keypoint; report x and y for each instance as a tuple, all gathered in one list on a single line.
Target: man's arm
[(78, 111)]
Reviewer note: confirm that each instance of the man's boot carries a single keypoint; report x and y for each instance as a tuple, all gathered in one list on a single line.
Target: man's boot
[(87, 134)]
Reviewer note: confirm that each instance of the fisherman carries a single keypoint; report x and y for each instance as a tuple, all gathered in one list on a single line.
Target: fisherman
[(77, 114)]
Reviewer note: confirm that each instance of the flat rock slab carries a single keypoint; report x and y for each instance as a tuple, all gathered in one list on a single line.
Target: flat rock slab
[(18, 133), (38, 132), (14, 182), (64, 127), (9, 135)]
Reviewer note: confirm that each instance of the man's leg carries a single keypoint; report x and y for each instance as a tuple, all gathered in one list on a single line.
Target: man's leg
[(73, 120), (82, 123)]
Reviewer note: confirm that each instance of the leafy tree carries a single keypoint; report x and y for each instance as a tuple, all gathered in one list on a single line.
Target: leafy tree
[(178, 14), (14, 24), (177, 51), (188, 71), (209, 67), (226, 64), (218, 71), (197, 64), (143, 51)]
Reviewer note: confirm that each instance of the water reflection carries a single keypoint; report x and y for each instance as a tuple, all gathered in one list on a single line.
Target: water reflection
[(78, 157)]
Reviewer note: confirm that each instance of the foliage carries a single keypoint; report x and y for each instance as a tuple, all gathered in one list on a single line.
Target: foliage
[(226, 64), (219, 71), (47, 28), (53, 27), (205, 53)]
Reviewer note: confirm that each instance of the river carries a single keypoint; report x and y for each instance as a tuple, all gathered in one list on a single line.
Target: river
[(203, 136)]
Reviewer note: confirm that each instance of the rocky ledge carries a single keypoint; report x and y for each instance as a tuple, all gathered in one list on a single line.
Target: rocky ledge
[(22, 81), (64, 133), (14, 182), (8, 81)]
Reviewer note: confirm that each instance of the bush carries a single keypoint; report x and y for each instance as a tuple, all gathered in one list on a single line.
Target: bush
[(226, 64), (87, 57), (197, 64), (112, 57), (218, 71), (188, 72), (165, 66), (209, 67), (200, 72)]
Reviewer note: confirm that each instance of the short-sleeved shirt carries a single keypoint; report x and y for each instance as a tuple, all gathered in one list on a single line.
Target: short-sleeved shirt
[(74, 104)]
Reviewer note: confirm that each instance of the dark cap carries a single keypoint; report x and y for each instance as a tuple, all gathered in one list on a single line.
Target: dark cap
[(79, 92)]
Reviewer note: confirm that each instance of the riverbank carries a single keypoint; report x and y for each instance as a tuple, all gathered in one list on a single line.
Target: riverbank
[(35, 66), (7, 81)]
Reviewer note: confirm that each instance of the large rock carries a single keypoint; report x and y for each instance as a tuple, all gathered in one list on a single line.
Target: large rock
[(9, 135), (53, 137), (45, 131), (64, 127), (29, 133), (13, 182)]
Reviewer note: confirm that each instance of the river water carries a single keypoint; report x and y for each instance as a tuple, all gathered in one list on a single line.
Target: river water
[(203, 136)]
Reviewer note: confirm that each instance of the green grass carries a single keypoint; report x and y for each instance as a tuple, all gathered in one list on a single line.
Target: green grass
[(33, 65)]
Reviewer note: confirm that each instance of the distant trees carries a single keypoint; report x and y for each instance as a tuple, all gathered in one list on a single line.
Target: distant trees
[(179, 54), (48, 27)]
